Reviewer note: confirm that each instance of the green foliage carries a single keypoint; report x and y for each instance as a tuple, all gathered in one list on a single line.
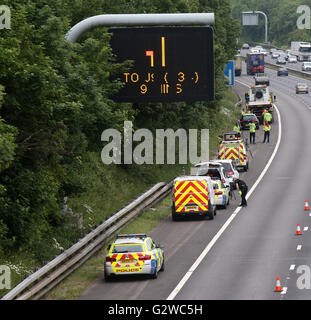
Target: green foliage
[(282, 20), (55, 103)]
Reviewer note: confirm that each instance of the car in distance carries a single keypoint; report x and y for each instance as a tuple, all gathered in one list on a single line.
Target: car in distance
[(245, 46), (282, 72), (280, 60), (302, 87), (133, 254), (275, 55), (292, 59), (246, 119), (306, 66)]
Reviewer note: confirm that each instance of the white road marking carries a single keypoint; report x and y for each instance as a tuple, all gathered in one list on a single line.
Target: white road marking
[(284, 290), (310, 214), (299, 247), (305, 228), (292, 267), (188, 274)]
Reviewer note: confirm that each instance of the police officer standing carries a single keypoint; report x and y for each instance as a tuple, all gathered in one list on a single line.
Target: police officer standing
[(237, 129), (267, 117), (266, 129), (252, 132), (242, 189)]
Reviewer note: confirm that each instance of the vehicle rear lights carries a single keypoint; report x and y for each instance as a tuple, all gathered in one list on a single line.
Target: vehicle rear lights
[(109, 259), (217, 193), (230, 173), (146, 257)]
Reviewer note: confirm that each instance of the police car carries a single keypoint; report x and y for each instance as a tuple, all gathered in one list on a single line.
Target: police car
[(133, 254), (221, 193), (230, 170)]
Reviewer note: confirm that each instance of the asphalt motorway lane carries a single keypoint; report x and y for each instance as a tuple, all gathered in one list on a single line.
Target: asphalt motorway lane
[(261, 242), (185, 240)]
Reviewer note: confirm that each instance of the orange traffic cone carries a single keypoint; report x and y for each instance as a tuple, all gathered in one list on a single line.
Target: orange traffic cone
[(298, 232), (306, 205), (278, 286)]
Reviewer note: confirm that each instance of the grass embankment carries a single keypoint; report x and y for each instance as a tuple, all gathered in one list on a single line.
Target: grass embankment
[(109, 189)]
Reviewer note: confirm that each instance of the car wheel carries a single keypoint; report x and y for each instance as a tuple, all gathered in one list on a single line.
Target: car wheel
[(155, 273), (163, 265), (107, 277), (225, 205)]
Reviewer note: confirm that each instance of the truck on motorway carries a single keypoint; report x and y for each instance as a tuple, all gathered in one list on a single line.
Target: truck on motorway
[(301, 50), (261, 78), (238, 59), (259, 98), (255, 63)]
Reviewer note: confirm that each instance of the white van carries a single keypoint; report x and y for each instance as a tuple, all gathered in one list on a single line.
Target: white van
[(306, 66)]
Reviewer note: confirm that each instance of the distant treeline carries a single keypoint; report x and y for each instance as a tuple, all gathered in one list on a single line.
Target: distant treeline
[(282, 20)]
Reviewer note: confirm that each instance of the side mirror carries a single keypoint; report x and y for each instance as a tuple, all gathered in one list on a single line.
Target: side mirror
[(108, 248), (274, 98), (220, 137)]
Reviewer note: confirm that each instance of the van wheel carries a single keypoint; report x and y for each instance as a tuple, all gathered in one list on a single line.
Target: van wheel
[(246, 167), (211, 214), (175, 216)]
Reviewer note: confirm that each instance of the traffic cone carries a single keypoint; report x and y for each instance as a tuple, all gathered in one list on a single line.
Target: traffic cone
[(298, 232), (306, 205), (278, 287)]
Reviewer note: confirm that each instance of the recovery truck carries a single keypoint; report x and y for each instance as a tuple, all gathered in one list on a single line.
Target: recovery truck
[(258, 99), (255, 63), (238, 59), (232, 147), (301, 50)]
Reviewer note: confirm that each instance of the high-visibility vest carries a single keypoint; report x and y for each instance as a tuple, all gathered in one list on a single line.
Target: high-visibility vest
[(267, 116), (236, 129), (252, 127), (267, 127)]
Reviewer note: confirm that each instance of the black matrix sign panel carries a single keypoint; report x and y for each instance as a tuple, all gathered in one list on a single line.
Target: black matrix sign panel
[(170, 63)]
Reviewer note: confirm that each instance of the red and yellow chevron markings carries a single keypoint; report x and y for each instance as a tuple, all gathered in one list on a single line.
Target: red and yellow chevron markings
[(191, 195)]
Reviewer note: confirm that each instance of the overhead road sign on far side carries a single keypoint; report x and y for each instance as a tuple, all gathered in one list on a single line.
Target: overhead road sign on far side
[(249, 19)]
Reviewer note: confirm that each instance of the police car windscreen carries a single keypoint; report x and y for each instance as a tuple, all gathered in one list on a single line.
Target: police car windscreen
[(227, 167), (127, 248)]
